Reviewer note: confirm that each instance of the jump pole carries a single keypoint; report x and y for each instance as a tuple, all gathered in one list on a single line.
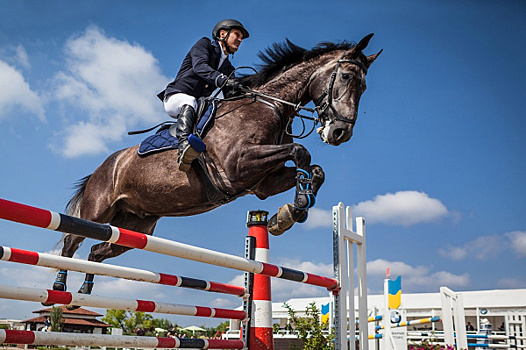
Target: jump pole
[(121, 341), (104, 269), (69, 298), (261, 326), (29, 215)]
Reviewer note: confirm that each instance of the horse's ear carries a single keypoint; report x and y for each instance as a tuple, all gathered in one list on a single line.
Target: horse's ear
[(371, 58), (362, 44)]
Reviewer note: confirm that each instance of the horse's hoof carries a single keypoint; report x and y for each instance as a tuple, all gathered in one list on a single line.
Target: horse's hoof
[(86, 288), (58, 285), (72, 307), (286, 217)]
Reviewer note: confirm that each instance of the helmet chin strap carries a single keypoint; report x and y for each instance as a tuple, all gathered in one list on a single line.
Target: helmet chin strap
[(226, 45)]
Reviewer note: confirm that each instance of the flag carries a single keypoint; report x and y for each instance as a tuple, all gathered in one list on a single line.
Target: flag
[(394, 293), (325, 313)]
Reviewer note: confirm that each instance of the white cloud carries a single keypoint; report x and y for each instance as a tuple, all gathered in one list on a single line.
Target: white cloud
[(488, 247), (455, 253), (318, 218), (419, 278), (107, 87), (224, 303), (512, 283), (15, 93), (402, 208), (518, 241), (21, 57)]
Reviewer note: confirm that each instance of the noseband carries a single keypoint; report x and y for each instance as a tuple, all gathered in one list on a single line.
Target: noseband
[(324, 107)]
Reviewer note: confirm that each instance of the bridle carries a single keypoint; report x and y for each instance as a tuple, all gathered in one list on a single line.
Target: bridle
[(324, 107), (321, 108)]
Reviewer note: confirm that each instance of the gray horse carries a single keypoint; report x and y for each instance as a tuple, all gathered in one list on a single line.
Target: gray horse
[(248, 146)]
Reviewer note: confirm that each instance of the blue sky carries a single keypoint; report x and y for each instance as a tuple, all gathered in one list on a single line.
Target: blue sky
[(436, 164)]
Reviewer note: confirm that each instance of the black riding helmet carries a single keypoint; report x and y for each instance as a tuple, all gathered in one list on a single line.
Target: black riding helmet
[(228, 24)]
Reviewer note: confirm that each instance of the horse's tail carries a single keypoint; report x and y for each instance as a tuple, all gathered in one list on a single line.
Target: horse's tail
[(73, 206)]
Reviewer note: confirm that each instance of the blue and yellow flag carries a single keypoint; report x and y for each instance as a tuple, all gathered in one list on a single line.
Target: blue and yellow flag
[(394, 293), (325, 313)]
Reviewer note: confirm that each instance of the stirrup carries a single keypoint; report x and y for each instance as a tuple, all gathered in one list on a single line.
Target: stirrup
[(193, 148), (304, 198)]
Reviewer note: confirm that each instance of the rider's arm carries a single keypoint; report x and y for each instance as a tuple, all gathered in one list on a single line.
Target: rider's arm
[(200, 54)]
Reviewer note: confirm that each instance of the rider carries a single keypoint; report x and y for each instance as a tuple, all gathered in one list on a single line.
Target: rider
[(205, 68)]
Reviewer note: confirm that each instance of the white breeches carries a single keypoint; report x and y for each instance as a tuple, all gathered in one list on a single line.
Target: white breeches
[(173, 104)]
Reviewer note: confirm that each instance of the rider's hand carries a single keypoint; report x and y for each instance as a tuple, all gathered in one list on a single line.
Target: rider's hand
[(234, 84)]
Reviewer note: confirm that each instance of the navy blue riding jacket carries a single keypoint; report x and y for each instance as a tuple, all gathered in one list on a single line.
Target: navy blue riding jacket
[(199, 74)]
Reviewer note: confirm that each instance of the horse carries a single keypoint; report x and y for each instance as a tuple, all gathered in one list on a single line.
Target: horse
[(247, 148)]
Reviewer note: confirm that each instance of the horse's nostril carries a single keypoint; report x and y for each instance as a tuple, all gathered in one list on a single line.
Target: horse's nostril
[(338, 133)]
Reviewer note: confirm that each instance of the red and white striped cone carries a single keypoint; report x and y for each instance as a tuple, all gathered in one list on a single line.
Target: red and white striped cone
[(261, 325)]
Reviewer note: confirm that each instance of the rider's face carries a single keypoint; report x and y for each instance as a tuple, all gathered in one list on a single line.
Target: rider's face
[(234, 39)]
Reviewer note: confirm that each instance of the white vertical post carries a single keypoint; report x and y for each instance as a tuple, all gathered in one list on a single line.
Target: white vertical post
[(350, 281), (453, 319), (460, 322), (341, 274), (344, 240), (362, 284), (447, 317)]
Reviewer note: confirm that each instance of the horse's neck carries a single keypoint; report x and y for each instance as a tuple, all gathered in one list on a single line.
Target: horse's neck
[(293, 84)]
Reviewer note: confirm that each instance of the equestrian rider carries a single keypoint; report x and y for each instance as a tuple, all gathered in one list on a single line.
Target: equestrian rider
[(205, 68)]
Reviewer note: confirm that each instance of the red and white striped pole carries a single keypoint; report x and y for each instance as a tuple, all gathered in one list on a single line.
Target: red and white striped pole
[(261, 318)]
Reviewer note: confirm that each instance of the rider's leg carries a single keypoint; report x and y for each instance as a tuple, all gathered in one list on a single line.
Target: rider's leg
[(183, 129), (182, 107)]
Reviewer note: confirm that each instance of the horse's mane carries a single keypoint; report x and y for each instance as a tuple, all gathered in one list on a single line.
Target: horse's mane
[(281, 56)]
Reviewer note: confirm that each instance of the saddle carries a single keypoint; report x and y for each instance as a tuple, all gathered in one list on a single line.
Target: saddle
[(163, 140)]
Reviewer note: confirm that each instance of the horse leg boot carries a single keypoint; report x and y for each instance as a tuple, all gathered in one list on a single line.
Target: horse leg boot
[(187, 151), (308, 182), (59, 284), (86, 288)]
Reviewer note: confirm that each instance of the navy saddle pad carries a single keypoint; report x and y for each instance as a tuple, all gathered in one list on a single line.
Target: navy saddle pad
[(162, 140)]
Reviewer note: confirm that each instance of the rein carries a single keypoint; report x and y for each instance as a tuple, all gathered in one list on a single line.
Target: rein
[(321, 108)]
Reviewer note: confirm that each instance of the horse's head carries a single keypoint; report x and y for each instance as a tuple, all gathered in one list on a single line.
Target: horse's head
[(336, 90)]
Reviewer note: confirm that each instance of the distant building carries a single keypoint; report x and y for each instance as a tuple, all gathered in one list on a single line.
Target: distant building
[(503, 308), (79, 321), (12, 324)]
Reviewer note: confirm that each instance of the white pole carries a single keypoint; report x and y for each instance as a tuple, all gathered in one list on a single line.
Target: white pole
[(362, 284)]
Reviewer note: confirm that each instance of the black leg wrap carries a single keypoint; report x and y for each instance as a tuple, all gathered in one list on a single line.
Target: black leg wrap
[(60, 282), (87, 286), (304, 198)]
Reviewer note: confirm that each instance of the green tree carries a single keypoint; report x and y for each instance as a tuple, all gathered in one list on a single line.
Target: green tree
[(136, 322), (309, 329), (55, 316), (223, 326), (117, 319)]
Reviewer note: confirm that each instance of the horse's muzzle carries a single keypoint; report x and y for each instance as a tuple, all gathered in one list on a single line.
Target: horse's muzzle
[(335, 134)]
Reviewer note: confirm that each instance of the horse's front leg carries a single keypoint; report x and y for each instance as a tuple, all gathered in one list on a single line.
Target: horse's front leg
[(305, 177)]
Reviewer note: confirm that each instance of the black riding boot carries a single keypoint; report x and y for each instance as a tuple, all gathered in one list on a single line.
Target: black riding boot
[(183, 129)]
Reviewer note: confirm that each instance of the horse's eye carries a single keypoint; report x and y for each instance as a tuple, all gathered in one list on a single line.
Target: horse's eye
[(345, 76)]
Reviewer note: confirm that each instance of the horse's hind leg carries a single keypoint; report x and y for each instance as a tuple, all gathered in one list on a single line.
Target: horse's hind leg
[(70, 245)]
